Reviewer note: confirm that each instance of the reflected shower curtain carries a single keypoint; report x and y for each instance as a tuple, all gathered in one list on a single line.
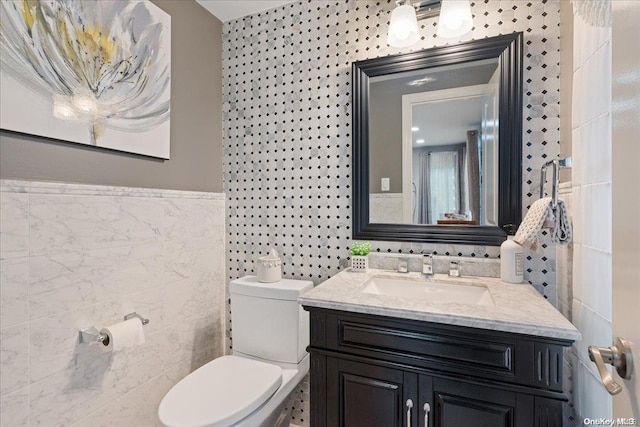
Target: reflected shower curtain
[(473, 166), (422, 198), (444, 185), (438, 186)]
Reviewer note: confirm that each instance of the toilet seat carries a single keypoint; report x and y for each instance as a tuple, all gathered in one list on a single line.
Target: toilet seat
[(220, 393)]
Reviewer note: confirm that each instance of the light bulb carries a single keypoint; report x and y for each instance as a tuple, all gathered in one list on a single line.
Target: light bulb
[(455, 18), (453, 22), (403, 27), (402, 33)]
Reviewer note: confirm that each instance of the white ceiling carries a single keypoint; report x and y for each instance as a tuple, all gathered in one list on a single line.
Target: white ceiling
[(446, 122), (227, 10)]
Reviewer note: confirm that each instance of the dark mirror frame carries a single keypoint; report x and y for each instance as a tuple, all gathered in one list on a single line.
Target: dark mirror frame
[(508, 48)]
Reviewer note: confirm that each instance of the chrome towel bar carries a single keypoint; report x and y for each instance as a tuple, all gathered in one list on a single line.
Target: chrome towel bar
[(557, 165)]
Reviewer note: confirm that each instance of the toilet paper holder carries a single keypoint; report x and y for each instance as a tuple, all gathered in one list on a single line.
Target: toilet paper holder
[(89, 335)]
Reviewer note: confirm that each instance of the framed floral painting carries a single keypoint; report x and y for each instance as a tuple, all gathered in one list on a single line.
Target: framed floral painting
[(94, 72)]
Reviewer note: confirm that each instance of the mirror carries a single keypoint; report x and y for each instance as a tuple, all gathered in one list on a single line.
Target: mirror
[(437, 143), (432, 145)]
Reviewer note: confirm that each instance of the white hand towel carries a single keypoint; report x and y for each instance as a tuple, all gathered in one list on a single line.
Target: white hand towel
[(541, 210)]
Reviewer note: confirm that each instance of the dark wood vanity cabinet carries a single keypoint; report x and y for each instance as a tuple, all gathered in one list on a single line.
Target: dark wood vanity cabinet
[(367, 370), (367, 394)]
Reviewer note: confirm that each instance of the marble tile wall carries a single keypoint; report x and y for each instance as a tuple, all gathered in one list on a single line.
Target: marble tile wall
[(386, 208), (564, 261), (75, 256), (287, 130), (591, 303), (467, 266)]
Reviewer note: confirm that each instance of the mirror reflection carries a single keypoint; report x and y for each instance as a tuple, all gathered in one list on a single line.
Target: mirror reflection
[(433, 145)]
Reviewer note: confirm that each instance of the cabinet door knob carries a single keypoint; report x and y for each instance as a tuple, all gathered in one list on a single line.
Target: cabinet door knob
[(409, 406), (427, 409)]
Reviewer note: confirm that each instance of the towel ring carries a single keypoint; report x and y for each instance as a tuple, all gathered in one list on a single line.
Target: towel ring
[(557, 165)]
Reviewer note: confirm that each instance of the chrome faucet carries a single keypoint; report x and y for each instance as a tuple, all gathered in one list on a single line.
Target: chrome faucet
[(427, 264), (403, 265)]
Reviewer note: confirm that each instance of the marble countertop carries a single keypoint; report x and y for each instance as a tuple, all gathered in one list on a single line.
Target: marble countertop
[(518, 308)]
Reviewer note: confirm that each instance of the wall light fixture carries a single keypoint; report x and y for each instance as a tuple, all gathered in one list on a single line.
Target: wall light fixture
[(403, 26), (454, 20)]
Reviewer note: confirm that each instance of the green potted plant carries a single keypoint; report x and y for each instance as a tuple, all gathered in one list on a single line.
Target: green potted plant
[(360, 256)]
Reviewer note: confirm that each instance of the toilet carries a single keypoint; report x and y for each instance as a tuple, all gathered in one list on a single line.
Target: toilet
[(250, 387)]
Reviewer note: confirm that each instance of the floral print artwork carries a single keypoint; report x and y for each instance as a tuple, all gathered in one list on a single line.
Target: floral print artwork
[(95, 72)]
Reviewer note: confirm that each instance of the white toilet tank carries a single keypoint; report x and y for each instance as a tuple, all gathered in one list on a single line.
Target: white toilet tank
[(266, 320)]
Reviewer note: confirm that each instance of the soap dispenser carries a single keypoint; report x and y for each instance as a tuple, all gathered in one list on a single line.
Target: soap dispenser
[(511, 258)]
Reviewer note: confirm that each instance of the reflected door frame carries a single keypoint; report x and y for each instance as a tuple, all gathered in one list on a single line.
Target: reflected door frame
[(408, 101)]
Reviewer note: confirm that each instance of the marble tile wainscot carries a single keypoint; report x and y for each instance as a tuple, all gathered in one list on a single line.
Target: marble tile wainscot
[(74, 256)]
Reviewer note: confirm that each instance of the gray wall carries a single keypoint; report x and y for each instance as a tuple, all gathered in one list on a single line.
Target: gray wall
[(196, 123), (385, 139)]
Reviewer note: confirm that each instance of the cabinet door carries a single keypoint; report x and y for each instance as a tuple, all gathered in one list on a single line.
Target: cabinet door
[(362, 395), (456, 403)]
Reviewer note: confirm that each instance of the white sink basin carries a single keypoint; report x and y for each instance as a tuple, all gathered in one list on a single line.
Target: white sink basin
[(429, 290)]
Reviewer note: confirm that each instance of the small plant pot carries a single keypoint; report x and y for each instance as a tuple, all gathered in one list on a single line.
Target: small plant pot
[(359, 262)]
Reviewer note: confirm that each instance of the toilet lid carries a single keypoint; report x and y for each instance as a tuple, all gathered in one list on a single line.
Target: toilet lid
[(220, 393)]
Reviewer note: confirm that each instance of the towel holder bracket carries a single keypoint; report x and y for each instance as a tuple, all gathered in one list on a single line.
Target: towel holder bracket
[(556, 164)]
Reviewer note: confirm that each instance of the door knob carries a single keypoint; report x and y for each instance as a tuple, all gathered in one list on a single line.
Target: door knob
[(620, 356)]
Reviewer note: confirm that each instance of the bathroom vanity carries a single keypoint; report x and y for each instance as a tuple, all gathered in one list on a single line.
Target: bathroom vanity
[(390, 349)]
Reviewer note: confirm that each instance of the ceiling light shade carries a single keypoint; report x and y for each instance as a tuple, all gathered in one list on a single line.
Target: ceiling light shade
[(455, 18), (403, 27)]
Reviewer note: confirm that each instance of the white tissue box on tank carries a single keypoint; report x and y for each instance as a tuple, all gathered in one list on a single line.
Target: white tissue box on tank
[(267, 321)]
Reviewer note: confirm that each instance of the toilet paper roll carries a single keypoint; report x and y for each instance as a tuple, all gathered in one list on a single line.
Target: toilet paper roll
[(122, 335)]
